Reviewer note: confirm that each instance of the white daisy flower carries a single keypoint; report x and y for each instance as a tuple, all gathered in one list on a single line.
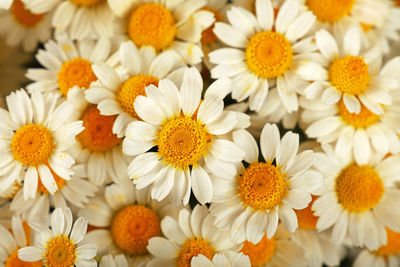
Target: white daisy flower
[(124, 220), (264, 51), (165, 25), (68, 64), (265, 191), (191, 235), (60, 246), (115, 94), (20, 26), (117, 261), (231, 259), (35, 134), (185, 131), (359, 201)]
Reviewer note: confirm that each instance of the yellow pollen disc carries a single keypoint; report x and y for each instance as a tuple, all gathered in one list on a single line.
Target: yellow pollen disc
[(361, 120), (59, 181), (76, 72), (349, 75), (330, 10), (208, 36), (262, 186), (261, 252), (86, 3), (60, 252), (359, 188), (182, 141), (131, 88), (14, 261), (269, 54), (32, 144), (23, 16), (306, 218), (192, 248), (132, 228), (393, 244), (152, 24), (98, 135)]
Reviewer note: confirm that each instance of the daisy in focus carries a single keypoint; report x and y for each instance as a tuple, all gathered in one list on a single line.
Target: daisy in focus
[(232, 259), (264, 50), (263, 192), (36, 131), (359, 201), (60, 246)]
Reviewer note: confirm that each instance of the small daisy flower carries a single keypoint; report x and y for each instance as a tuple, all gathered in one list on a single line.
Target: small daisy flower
[(36, 133), (124, 220), (191, 235), (263, 192), (117, 261), (359, 201), (115, 94), (231, 259), (60, 246), (185, 131), (20, 26), (264, 51), (165, 25)]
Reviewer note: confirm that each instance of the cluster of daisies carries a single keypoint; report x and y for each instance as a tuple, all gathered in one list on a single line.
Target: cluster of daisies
[(200, 133)]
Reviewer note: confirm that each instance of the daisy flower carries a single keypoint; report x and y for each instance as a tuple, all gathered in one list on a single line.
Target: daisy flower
[(165, 25), (67, 64), (35, 134), (20, 26), (347, 74), (231, 259), (117, 261), (60, 246), (124, 220), (263, 192), (185, 131), (115, 94), (359, 201), (191, 235), (264, 51)]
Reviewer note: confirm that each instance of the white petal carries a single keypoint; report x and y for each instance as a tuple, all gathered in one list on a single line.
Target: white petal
[(300, 26), (47, 179), (107, 76), (226, 150), (265, 14), (229, 35), (331, 96), (352, 104), (288, 218), (288, 149), (327, 45), (270, 141), (297, 199), (210, 109), (162, 248), (79, 230), (148, 111), (352, 41), (362, 148), (201, 185), (191, 88), (248, 144), (287, 13), (30, 254)]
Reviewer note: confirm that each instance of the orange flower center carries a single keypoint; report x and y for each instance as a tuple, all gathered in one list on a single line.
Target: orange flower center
[(192, 248), (261, 252), (330, 10), (23, 16), (393, 245), (306, 218)]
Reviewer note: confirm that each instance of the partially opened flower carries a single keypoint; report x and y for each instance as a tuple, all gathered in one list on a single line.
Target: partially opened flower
[(231, 259)]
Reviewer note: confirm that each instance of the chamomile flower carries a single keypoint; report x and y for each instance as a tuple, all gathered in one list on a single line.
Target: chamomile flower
[(191, 235), (231, 259), (117, 261), (67, 64), (186, 132), (359, 200), (124, 220), (115, 94), (265, 191), (20, 26), (165, 25), (35, 134), (264, 50), (60, 246)]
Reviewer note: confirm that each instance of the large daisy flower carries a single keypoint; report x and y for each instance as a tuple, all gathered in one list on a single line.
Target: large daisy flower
[(35, 136), (191, 235), (263, 192), (185, 132), (230, 259), (124, 220), (165, 25), (60, 246), (115, 94), (359, 200), (264, 51), (20, 26)]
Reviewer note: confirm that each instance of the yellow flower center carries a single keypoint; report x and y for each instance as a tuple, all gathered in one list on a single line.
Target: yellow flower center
[(192, 248), (60, 252), (131, 88), (262, 186), (59, 181), (349, 75), (330, 10), (361, 120), (14, 261), (23, 16), (359, 188), (98, 135), (208, 36), (76, 72), (269, 54), (32, 144), (261, 252), (152, 24), (132, 228), (393, 245), (182, 141), (86, 3), (306, 218)]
